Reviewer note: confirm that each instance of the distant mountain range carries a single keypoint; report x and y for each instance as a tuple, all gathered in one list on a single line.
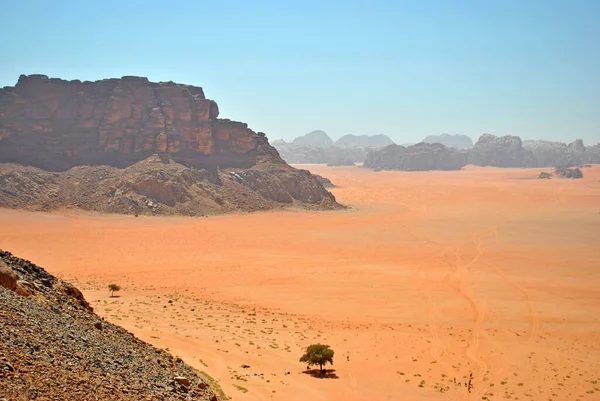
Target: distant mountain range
[(318, 147), (435, 152)]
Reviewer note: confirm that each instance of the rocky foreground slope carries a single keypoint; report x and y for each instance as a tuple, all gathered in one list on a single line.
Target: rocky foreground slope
[(54, 347), (131, 145)]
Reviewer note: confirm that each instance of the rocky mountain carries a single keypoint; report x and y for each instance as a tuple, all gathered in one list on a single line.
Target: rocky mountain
[(317, 148), (53, 346), (317, 138), (419, 157), (505, 151), (201, 164), (363, 141), (450, 141)]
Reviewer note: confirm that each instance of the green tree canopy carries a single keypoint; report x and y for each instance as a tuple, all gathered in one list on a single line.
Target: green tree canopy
[(112, 288), (318, 354)]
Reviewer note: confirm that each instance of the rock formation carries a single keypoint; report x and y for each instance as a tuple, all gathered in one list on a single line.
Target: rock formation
[(53, 346), (505, 151), (565, 172), (317, 148), (551, 154), (57, 125), (419, 157), (326, 182), (450, 141), (317, 138), (363, 141)]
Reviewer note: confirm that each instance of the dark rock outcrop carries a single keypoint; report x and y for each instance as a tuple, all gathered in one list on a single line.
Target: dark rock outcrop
[(505, 151), (419, 157), (450, 141), (326, 182), (53, 346), (545, 175), (565, 172), (57, 125)]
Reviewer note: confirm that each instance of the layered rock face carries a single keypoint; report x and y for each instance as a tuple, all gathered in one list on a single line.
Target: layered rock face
[(505, 151), (419, 157), (450, 141), (55, 124)]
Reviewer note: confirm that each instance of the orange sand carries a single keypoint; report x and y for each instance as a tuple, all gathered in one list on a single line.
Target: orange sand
[(429, 277)]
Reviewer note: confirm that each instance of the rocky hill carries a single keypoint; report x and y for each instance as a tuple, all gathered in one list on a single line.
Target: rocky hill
[(133, 142), (317, 147), (54, 347), (450, 141), (419, 157), (317, 138), (363, 141)]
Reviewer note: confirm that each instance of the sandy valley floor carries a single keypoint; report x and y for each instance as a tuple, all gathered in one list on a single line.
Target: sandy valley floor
[(429, 277)]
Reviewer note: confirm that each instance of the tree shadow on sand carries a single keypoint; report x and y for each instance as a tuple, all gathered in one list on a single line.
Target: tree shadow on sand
[(322, 374)]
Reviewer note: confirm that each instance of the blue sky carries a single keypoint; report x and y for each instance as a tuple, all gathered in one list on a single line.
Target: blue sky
[(401, 68)]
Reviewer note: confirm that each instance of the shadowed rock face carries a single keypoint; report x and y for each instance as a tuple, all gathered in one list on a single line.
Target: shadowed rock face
[(419, 157), (55, 124)]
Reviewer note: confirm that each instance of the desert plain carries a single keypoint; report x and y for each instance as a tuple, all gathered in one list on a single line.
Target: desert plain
[(426, 279)]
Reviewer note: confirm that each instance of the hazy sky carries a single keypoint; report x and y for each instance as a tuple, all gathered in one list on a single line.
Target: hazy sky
[(405, 69)]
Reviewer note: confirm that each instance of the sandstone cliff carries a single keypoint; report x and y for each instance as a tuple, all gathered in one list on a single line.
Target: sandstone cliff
[(419, 157), (119, 145), (55, 124)]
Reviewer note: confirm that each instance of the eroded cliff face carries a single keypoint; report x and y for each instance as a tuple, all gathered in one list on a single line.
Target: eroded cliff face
[(133, 146), (55, 124)]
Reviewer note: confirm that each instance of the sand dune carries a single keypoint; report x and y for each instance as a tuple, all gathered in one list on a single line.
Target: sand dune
[(429, 277)]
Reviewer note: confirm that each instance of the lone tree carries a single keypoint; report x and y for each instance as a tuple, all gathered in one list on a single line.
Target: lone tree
[(113, 288), (318, 354)]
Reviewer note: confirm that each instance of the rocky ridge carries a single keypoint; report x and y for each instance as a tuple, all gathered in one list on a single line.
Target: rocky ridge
[(53, 346), (160, 186)]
